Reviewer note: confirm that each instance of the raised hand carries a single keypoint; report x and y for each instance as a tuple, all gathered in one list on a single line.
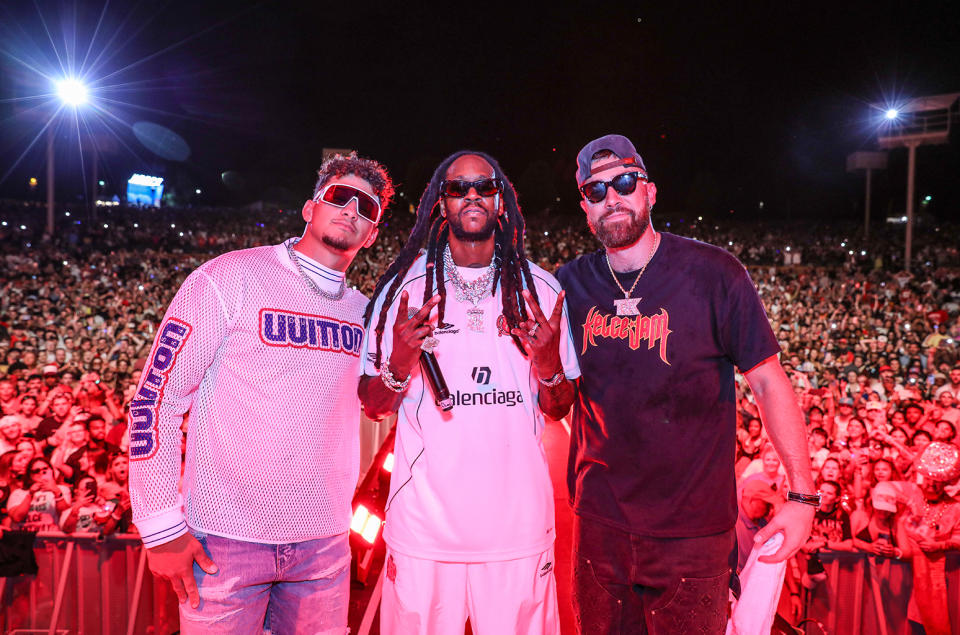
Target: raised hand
[(408, 335), (541, 336)]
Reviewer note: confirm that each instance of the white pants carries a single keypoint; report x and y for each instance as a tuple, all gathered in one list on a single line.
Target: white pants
[(425, 597)]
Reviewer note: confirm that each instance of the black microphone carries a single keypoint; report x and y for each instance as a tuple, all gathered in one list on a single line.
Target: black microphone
[(431, 368)]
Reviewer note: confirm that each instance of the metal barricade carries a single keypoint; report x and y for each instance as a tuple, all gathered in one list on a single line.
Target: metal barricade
[(88, 585), (864, 595)]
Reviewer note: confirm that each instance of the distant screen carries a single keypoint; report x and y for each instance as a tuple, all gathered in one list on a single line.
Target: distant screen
[(144, 190)]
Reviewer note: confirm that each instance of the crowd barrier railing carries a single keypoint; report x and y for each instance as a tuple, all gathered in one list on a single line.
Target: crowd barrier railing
[(869, 596), (88, 584)]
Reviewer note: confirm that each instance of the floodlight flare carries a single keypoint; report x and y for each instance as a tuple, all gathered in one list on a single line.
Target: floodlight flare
[(72, 92), (893, 113)]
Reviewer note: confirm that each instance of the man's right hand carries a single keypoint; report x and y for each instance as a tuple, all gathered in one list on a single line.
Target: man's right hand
[(408, 335), (173, 561)]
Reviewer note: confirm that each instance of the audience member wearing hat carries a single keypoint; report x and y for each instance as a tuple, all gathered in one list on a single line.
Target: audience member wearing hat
[(931, 526)]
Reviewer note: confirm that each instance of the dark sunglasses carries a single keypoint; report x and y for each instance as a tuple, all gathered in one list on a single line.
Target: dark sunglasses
[(40, 470), (340, 195), (624, 184), (459, 189)]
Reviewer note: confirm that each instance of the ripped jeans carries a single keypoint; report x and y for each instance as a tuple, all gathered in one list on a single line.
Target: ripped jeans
[(301, 587), (637, 585)]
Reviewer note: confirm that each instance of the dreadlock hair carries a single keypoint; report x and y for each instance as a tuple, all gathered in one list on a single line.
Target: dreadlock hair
[(511, 267)]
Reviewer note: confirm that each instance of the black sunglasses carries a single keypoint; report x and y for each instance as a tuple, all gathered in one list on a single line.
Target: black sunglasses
[(624, 184), (459, 189)]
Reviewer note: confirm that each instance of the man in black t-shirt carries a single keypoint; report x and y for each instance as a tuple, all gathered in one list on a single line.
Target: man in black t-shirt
[(661, 323)]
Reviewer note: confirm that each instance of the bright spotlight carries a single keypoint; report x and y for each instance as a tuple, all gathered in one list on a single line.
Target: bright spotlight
[(72, 92), (893, 113)]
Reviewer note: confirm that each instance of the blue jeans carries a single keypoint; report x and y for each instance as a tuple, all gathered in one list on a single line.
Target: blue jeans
[(301, 587), (625, 583)]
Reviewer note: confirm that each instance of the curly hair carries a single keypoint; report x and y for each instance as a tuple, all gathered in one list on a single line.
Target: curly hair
[(367, 169), (512, 269)]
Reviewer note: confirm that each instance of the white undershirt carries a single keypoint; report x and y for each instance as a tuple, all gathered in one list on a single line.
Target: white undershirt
[(324, 277)]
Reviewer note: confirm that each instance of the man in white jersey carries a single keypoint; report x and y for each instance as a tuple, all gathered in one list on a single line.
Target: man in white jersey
[(262, 346), (470, 518)]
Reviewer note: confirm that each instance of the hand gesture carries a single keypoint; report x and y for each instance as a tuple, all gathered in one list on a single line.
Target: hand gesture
[(408, 335), (884, 548), (173, 561), (794, 521), (541, 336), (929, 546)]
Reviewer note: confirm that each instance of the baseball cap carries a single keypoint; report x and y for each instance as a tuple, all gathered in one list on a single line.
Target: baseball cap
[(884, 497), (756, 488), (617, 144), (846, 401), (50, 369), (876, 405), (884, 369)]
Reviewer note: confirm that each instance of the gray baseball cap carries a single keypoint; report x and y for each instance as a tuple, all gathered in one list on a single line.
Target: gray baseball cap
[(617, 144)]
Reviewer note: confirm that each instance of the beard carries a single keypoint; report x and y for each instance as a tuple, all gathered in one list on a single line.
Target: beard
[(340, 244), (621, 234), (485, 232)]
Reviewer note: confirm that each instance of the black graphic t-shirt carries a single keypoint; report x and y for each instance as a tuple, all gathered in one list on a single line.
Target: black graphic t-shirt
[(654, 439)]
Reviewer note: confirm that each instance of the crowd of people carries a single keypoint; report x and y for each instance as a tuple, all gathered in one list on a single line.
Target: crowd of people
[(873, 354)]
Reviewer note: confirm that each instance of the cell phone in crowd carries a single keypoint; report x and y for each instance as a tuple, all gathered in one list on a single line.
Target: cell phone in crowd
[(91, 488), (884, 535), (109, 506)]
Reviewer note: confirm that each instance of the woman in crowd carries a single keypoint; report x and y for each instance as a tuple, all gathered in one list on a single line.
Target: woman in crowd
[(38, 504)]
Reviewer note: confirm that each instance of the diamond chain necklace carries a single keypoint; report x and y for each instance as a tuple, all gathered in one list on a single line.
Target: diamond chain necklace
[(336, 295), (468, 291)]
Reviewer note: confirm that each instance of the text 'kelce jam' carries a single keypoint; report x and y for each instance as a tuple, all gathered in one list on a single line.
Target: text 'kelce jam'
[(301, 330), (144, 439)]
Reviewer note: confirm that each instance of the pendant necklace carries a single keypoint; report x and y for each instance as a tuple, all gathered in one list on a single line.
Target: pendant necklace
[(472, 292), (335, 295), (628, 306)]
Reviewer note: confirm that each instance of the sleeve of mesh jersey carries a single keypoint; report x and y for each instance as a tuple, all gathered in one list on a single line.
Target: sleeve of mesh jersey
[(187, 341)]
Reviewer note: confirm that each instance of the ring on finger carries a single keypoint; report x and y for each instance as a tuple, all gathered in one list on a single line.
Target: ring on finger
[(533, 331)]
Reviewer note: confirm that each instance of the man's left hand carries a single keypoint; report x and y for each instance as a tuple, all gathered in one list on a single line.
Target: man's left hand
[(794, 521), (541, 336)]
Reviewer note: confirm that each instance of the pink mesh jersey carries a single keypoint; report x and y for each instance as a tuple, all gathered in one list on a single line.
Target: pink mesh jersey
[(268, 371)]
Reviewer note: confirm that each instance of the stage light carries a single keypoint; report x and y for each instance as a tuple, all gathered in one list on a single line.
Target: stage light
[(365, 524), (72, 92), (892, 113)]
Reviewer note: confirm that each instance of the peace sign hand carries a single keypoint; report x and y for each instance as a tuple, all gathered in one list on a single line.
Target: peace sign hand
[(541, 336), (408, 335)]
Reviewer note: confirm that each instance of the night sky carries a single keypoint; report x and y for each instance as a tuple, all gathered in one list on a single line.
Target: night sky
[(730, 104)]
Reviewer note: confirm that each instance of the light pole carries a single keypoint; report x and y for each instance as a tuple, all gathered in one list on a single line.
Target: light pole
[(72, 94), (920, 122), (863, 161)]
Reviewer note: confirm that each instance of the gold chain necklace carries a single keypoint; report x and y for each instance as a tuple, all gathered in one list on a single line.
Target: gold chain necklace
[(628, 305)]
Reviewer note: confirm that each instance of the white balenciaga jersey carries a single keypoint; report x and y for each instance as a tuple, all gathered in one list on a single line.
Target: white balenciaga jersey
[(471, 484), (268, 371)]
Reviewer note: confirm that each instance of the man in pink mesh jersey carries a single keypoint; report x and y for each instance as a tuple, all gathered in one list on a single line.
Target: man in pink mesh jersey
[(262, 347)]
